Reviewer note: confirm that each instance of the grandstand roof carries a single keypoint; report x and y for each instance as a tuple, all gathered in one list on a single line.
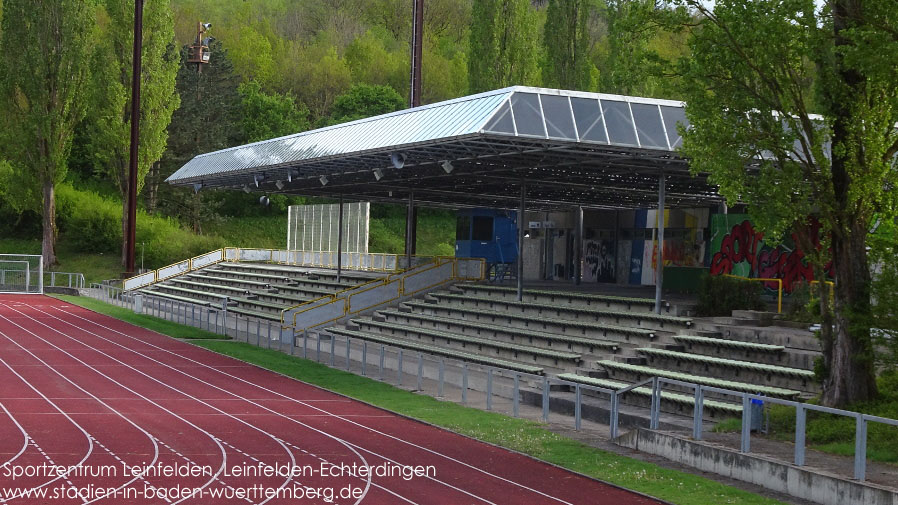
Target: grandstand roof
[(568, 147)]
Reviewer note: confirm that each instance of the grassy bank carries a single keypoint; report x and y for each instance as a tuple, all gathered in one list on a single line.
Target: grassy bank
[(528, 437)]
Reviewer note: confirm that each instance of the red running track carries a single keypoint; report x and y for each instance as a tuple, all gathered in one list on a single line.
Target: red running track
[(93, 410)]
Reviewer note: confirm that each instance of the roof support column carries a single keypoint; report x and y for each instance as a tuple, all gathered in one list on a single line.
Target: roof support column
[(578, 247), (411, 229), (659, 264), (521, 225), (340, 240)]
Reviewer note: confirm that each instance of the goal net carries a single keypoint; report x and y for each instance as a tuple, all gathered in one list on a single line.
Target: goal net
[(21, 273)]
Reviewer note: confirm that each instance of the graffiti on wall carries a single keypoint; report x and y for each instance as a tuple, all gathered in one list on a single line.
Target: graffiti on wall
[(598, 255), (739, 249)]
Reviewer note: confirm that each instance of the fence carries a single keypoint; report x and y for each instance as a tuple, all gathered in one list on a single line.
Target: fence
[(21, 273), (472, 384), (64, 279)]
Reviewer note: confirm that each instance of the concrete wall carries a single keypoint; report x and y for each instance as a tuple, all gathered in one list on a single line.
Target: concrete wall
[(776, 475)]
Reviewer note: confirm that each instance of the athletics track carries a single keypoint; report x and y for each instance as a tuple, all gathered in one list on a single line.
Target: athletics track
[(95, 410)]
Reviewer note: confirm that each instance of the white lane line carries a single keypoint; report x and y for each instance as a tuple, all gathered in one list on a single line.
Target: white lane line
[(90, 444), (222, 449), (24, 436), (336, 416), (215, 439), (350, 445)]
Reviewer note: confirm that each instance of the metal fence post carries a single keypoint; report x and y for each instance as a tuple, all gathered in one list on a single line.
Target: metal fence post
[(800, 423), (382, 352), (489, 388), (442, 373), (364, 358), (348, 348), (545, 399), (420, 370), (305, 347), (578, 406), (464, 383), (655, 420), (333, 349), (399, 368), (318, 348), (613, 415), (860, 448), (698, 413), (746, 424), (515, 393)]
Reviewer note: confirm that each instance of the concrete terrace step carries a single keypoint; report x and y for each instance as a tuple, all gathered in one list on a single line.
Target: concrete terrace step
[(686, 400), (290, 270), (723, 342), (647, 304), (584, 327), (515, 333), (438, 351), (255, 313), (215, 279), (211, 287), (222, 271), (466, 340), (646, 372), (177, 298), (191, 292), (728, 363), (640, 318)]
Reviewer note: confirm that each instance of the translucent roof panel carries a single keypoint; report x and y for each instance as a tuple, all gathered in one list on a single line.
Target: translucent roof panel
[(532, 113)]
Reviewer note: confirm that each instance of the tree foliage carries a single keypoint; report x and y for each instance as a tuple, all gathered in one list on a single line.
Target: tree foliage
[(753, 130), (109, 117), (566, 40), (44, 59), (363, 101), (269, 115), (504, 45)]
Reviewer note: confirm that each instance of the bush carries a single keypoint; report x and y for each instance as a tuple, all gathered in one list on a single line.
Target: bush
[(720, 295)]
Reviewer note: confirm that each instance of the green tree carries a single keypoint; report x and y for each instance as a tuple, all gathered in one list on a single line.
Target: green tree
[(625, 67), (208, 120), (110, 115), (44, 60), (503, 45), (363, 101), (566, 40), (267, 116), (756, 67)]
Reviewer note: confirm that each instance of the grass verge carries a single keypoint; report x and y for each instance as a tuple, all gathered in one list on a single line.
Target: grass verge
[(144, 321), (520, 435)]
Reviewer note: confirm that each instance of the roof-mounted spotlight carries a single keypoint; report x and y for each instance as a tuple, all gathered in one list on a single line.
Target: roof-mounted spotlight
[(378, 174), (197, 187), (323, 180), (398, 160), (264, 201), (279, 185), (258, 178), (207, 25), (291, 174), (447, 166), (246, 189)]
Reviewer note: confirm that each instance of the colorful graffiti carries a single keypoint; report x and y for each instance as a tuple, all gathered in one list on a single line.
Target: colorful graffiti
[(739, 249), (599, 259)]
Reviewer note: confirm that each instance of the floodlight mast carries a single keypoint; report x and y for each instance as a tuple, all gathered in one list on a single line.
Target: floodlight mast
[(199, 52), (135, 138)]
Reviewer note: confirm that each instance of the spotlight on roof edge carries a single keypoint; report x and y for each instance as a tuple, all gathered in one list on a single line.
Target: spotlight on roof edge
[(279, 185), (291, 174), (398, 160), (258, 178), (264, 201), (378, 174), (323, 180), (246, 189), (447, 166), (197, 187)]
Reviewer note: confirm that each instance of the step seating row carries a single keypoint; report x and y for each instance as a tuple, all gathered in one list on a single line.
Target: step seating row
[(570, 297), (749, 351), (436, 350), (533, 321), (745, 371), (634, 373), (670, 402), (498, 348), (349, 275), (503, 332), (566, 311), (280, 278)]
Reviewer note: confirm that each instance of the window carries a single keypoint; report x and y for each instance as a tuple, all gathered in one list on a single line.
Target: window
[(483, 229)]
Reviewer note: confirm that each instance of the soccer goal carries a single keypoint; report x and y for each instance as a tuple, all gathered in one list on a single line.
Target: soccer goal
[(21, 273)]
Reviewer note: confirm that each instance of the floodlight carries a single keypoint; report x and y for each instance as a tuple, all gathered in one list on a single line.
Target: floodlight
[(323, 180), (264, 201), (378, 174), (207, 25), (197, 187), (291, 174), (246, 189), (258, 178), (279, 185), (447, 166), (398, 160)]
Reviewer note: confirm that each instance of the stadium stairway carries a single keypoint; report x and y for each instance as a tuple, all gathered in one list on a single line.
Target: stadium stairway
[(594, 339), (256, 290)]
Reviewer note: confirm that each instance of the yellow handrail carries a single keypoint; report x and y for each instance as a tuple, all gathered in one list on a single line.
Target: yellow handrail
[(832, 290), (779, 289)]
